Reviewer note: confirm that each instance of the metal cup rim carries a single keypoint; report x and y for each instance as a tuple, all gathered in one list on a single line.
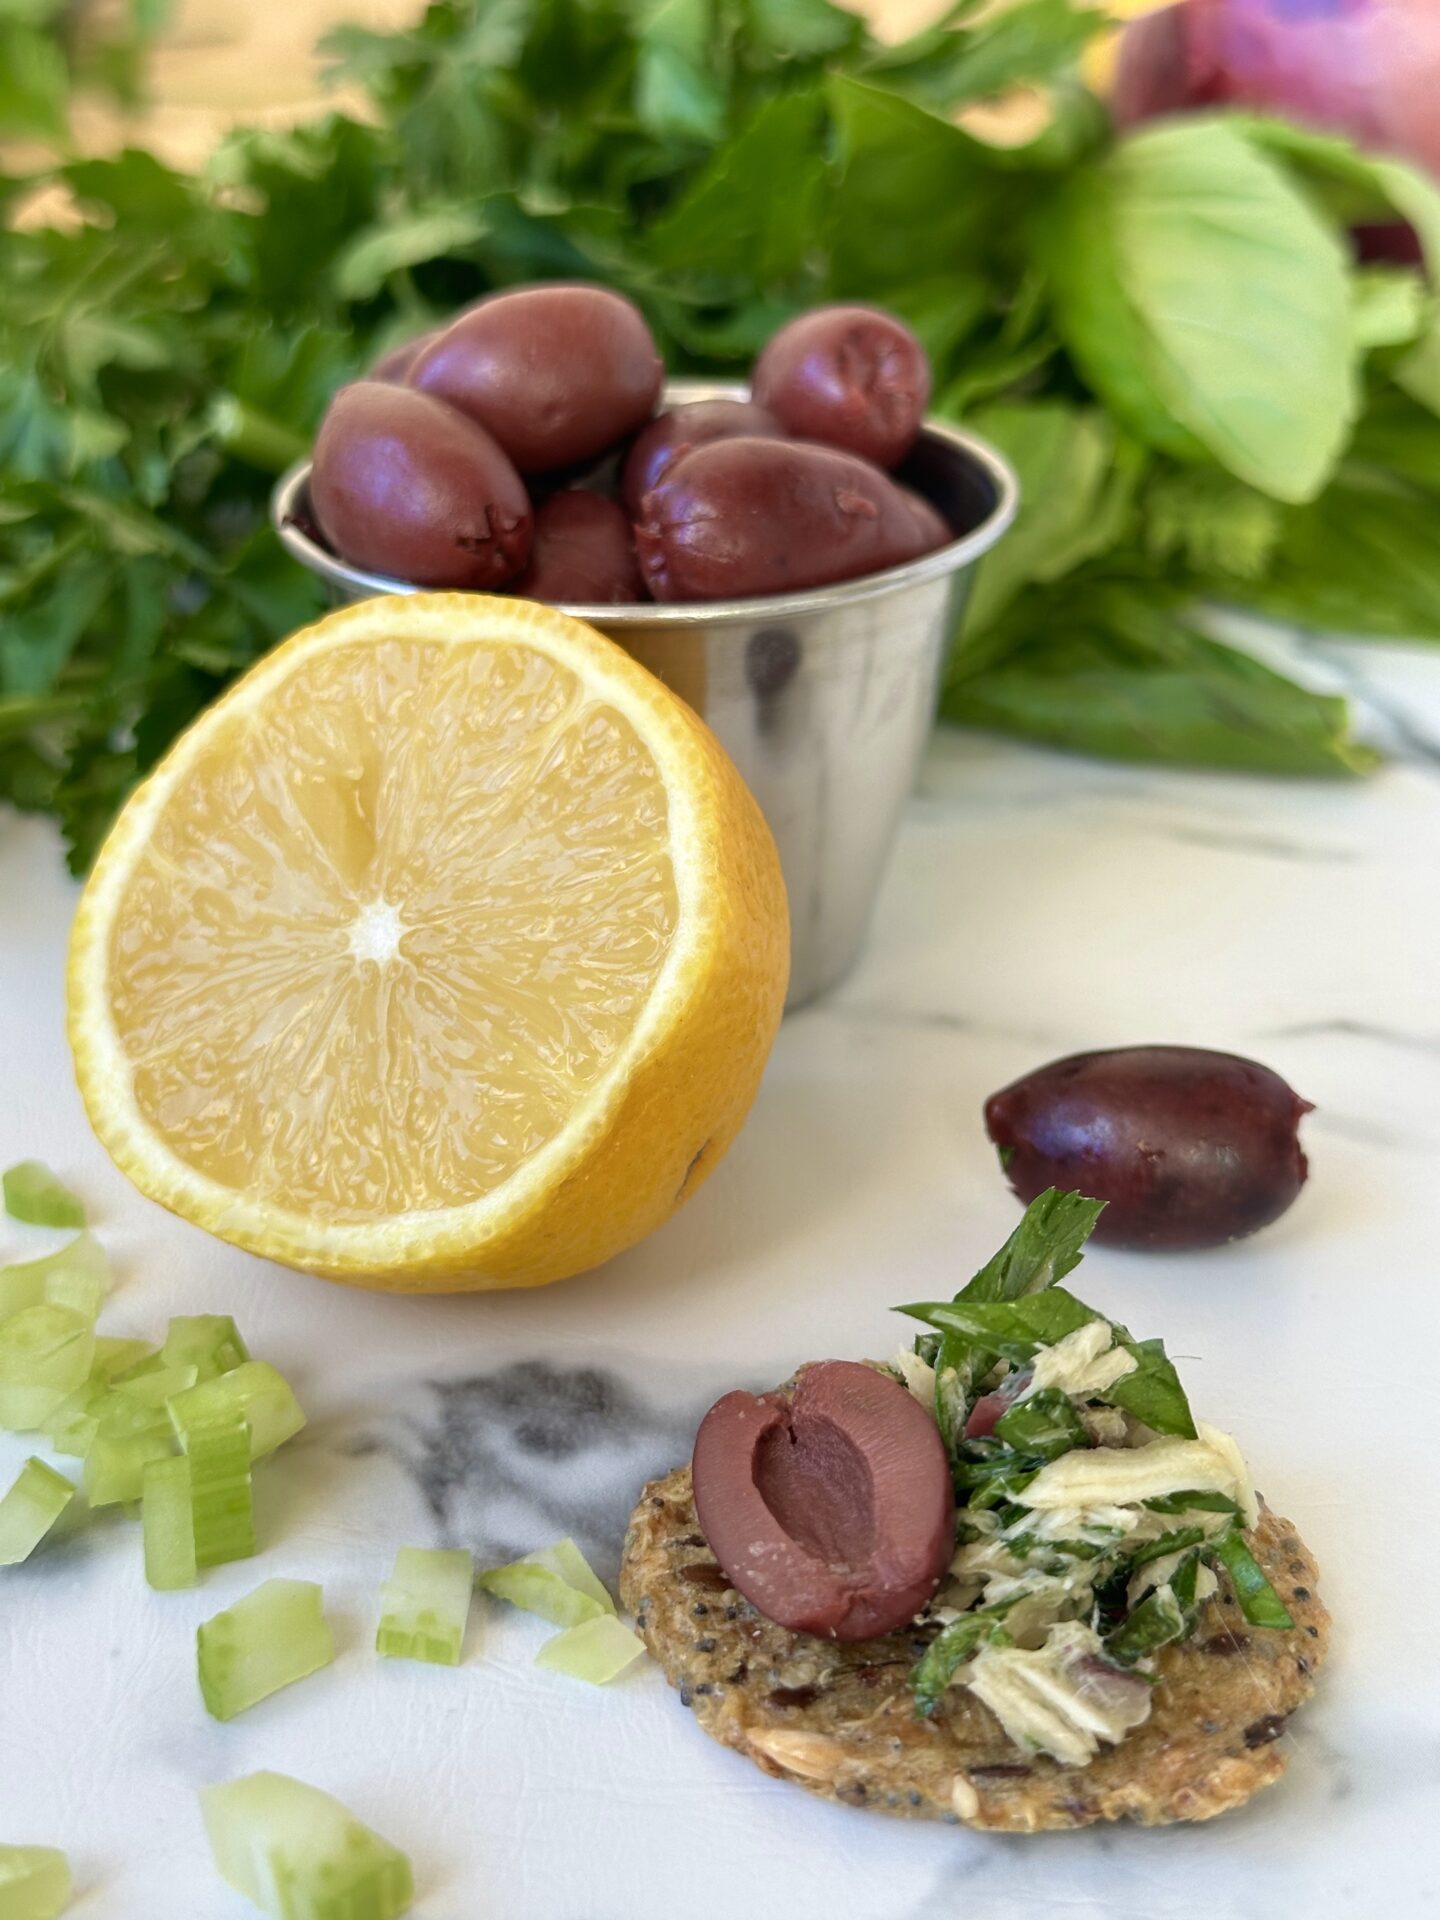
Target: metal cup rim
[(955, 554)]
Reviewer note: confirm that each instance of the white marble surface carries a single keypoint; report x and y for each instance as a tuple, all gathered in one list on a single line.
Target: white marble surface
[(1036, 905)]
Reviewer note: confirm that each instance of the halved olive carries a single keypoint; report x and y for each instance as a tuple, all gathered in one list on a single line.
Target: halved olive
[(832, 1509)]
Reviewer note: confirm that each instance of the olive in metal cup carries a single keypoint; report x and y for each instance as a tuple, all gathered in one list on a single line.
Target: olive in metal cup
[(823, 699)]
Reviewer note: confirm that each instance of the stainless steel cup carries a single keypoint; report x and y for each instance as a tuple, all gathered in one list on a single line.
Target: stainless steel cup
[(823, 699)]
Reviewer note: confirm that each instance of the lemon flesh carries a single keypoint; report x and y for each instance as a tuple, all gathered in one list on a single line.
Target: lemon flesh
[(380, 947)]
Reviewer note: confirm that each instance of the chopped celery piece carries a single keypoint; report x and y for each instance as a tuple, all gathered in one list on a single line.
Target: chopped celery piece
[(539, 1590), (76, 1275), (425, 1604), (72, 1427), (34, 1883), (168, 1525), (27, 1513), (575, 1570), (558, 1583), (45, 1353), (254, 1392), (596, 1650), (221, 1505), (155, 1388), (274, 1636), (128, 1436), (115, 1357), (300, 1855), (33, 1194), (208, 1342)]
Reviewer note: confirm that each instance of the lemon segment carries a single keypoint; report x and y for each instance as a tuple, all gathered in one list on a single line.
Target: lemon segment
[(445, 950)]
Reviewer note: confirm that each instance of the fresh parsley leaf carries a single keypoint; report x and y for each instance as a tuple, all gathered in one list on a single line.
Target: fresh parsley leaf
[(1152, 1392), (1043, 1248)]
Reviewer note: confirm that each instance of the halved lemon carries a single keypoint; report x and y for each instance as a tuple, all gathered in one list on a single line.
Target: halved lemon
[(445, 951)]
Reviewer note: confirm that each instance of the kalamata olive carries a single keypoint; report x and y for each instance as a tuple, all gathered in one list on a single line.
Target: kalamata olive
[(395, 364), (1188, 1148), (556, 373), (831, 1511), (404, 485), (935, 529), (583, 554), (746, 516), (670, 434), (851, 376)]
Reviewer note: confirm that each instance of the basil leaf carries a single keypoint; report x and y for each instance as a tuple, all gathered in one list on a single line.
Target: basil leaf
[(1259, 1602), (1065, 460), (1043, 1248), (1199, 290), (1361, 559), (1045, 1425), (951, 1648), (1118, 668)]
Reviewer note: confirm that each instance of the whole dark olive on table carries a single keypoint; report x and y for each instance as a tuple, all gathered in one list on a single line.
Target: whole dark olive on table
[(743, 517), (583, 553), (1186, 1147), (556, 373), (404, 485), (678, 430), (831, 1510), (852, 376)]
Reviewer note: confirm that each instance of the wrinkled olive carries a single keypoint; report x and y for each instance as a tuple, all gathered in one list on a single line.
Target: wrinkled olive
[(743, 517), (404, 485), (675, 432), (556, 373), (396, 364), (853, 377), (1188, 1148), (583, 554), (832, 1511)]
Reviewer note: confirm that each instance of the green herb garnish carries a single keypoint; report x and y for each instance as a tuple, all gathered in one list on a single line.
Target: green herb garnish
[(1259, 1602), (1105, 309), (951, 1648), (1078, 1588)]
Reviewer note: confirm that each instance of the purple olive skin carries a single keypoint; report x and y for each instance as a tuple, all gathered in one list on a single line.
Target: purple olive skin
[(743, 517), (935, 529), (853, 377), (404, 485), (583, 554), (396, 364), (831, 1510), (1186, 1147), (673, 433), (556, 373)]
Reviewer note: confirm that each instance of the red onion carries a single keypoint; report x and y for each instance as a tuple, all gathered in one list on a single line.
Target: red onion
[(1367, 68)]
